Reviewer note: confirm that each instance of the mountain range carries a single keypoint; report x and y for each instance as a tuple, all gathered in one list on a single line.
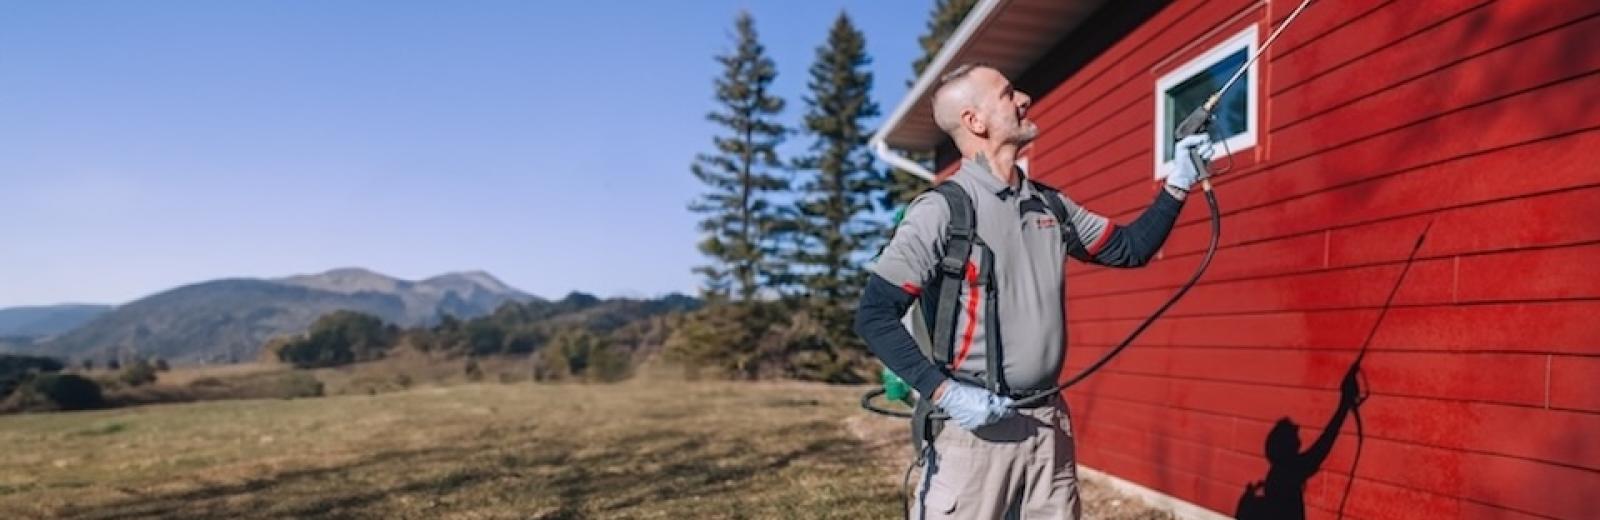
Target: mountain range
[(229, 319), (33, 322)]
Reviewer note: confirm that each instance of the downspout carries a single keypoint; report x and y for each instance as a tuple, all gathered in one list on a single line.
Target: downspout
[(888, 155)]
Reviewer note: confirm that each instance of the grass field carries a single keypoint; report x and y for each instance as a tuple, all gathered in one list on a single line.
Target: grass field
[(658, 449)]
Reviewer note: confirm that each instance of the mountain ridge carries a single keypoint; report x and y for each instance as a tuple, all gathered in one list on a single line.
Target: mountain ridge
[(229, 319), (37, 321)]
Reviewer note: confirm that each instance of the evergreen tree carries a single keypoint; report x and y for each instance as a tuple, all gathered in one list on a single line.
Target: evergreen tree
[(740, 217), (942, 22), (835, 204)]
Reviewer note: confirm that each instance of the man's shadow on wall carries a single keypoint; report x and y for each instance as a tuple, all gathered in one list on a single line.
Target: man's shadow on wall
[(1282, 495)]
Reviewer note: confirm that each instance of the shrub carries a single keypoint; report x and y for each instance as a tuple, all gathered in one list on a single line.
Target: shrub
[(338, 338), (271, 385), (724, 338), (299, 384), (16, 369), (138, 373), (68, 391), (762, 339)]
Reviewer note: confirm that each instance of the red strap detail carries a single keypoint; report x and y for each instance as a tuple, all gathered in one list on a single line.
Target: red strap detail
[(972, 315), (911, 289), (1094, 249)]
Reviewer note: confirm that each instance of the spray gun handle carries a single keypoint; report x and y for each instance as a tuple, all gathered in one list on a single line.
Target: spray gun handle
[(1200, 165), (1203, 167), (1197, 121)]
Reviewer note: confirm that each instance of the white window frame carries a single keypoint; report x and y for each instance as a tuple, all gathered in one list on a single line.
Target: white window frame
[(1245, 40)]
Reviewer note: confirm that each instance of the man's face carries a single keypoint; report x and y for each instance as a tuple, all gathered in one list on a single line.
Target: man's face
[(1003, 109)]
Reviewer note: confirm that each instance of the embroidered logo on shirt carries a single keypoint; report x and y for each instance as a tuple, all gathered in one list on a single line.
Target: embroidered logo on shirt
[(1044, 223)]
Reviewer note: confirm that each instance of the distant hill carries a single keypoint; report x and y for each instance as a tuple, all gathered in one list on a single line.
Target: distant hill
[(228, 320), (464, 295), (37, 322)]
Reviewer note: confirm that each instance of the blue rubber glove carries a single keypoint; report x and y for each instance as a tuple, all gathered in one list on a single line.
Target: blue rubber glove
[(972, 407), (1183, 173)]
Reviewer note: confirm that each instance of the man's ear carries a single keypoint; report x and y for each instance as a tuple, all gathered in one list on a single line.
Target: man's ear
[(974, 124)]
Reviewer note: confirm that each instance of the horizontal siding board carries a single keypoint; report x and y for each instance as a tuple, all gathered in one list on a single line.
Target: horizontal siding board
[(1427, 283), (1546, 274), (1190, 425), (1523, 222), (1488, 512), (1516, 68), (1556, 491), (1371, 133), (1295, 254), (1087, 130), (1283, 329), (1314, 23), (1561, 163), (1542, 274), (1487, 39), (1575, 382), (1176, 453), (1372, 33), (1510, 378), (1563, 327), (1199, 489), (1380, 501), (1552, 436)]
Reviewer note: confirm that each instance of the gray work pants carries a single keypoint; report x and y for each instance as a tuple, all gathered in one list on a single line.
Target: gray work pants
[(1021, 467)]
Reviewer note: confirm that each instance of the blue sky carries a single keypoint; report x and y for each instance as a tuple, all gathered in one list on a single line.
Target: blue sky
[(144, 145)]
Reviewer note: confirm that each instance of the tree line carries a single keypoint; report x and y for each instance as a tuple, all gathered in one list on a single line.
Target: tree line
[(38, 383), (579, 337), (787, 239)]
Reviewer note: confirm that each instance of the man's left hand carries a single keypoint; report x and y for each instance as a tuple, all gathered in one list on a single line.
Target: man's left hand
[(1184, 172)]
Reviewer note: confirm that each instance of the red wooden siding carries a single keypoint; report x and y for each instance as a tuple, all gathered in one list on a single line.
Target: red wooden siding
[(1376, 118)]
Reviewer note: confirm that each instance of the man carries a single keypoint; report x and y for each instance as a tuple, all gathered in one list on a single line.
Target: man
[(1001, 460)]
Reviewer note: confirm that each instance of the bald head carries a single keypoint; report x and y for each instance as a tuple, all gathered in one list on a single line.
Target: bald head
[(953, 96), (976, 105)]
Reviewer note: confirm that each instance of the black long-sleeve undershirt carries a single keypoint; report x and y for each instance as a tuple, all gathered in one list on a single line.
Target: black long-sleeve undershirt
[(878, 323), (1135, 244)]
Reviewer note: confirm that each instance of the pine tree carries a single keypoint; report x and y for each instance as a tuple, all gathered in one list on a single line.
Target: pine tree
[(739, 215), (942, 22), (836, 200)]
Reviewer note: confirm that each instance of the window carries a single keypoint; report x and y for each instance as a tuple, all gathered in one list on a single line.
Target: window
[(1183, 90)]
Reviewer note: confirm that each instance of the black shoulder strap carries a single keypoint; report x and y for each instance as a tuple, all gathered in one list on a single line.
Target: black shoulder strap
[(959, 235), (1069, 231)]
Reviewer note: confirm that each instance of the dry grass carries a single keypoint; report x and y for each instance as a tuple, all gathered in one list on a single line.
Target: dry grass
[(653, 447), (634, 450), (183, 375)]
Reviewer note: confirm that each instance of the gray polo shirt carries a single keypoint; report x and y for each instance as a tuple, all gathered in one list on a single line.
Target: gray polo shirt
[(1029, 256)]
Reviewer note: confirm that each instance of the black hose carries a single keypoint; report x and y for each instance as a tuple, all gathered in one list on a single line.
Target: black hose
[(866, 403), (1205, 261)]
